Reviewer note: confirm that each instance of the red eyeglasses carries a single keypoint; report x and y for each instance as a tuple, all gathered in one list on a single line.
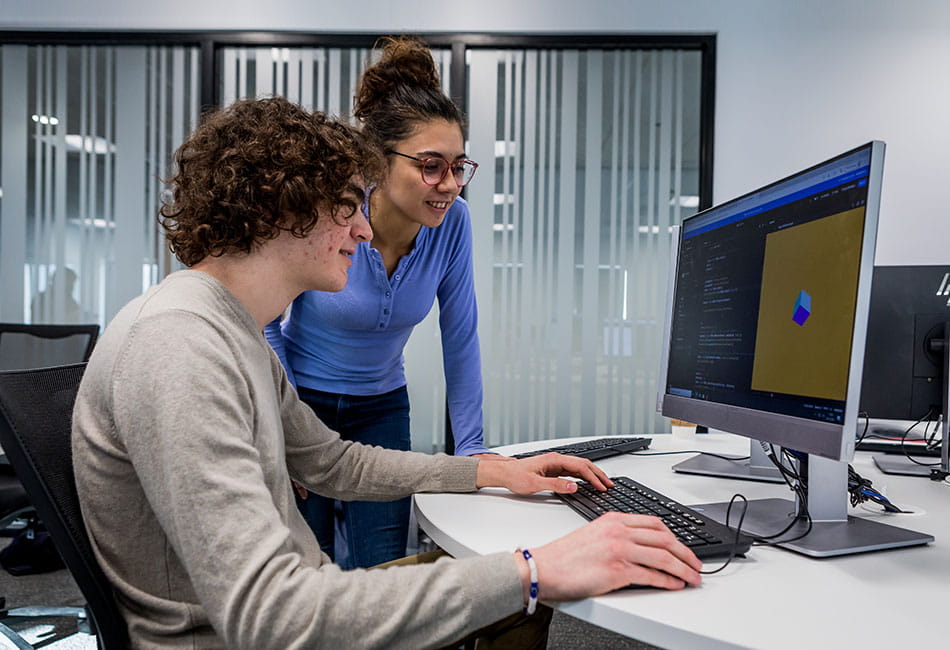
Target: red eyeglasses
[(434, 169)]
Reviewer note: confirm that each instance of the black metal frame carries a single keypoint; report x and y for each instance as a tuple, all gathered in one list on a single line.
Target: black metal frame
[(46, 331), (210, 42)]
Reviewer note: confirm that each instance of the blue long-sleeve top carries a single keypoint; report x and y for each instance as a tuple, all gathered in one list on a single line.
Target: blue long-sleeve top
[(351, 342)]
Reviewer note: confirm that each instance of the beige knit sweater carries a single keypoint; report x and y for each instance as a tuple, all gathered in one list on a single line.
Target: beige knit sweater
[(186, 434)]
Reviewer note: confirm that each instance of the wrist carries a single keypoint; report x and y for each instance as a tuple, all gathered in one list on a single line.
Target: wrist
[(489, 474), (524, 574), (532, 595)]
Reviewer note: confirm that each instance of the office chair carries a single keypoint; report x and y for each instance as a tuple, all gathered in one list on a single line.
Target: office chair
[(35, 346), (38, 346), (35, 427)]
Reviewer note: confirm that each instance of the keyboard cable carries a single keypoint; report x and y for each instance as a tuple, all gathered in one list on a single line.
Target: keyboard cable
[(735, 544)]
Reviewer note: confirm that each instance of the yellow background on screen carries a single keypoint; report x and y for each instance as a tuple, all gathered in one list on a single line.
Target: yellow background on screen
[(822, 257)]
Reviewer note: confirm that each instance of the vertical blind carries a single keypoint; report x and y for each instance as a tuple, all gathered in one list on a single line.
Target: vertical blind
[(595, 157), (87, 136), (318, 78)]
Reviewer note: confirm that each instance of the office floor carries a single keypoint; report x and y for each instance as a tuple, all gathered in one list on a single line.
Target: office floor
[(54, 589), (58, 589)]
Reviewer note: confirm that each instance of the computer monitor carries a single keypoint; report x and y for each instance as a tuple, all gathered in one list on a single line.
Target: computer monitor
[(906, 358), (765, 338), (904, 377)]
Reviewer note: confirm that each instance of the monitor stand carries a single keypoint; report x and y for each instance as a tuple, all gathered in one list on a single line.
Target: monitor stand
[(937, 471), (833, 532), (755, 467)]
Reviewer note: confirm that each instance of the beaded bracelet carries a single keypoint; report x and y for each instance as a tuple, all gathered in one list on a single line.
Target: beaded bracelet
[(533, 591)]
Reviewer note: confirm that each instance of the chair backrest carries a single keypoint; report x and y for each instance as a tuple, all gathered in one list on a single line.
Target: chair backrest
[(40, 346), (35, 427)]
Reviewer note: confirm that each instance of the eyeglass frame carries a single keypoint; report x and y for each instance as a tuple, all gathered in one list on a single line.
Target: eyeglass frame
[(448, 166)]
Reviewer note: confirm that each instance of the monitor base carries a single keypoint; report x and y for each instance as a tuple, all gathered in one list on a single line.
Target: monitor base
[(901, 466), (826, 539), (740, 467)]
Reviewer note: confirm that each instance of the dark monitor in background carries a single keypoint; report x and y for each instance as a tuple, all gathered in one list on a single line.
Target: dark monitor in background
[(765, 338), (904, 363)]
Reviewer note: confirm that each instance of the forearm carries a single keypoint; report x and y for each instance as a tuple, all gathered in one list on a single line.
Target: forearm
[(458, 322), (401, 607), (364, 473), (464, 391)]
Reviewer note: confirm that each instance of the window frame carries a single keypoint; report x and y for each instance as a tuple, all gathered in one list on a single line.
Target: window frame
[(210, 42)]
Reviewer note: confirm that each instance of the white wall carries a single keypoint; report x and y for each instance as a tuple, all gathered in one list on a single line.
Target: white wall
[(797, 81)]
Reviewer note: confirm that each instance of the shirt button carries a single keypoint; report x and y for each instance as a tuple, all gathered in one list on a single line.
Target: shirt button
[(385, 311), (388, 294), (382, 325), (395, 277)]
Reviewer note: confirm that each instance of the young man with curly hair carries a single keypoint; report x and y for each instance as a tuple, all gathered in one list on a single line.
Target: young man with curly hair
[(187, 433)]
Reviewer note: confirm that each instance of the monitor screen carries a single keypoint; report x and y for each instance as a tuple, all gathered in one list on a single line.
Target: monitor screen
[(903, 368), (768, 308)]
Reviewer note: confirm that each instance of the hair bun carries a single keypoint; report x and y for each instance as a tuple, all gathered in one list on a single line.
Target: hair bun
[(405, 64)]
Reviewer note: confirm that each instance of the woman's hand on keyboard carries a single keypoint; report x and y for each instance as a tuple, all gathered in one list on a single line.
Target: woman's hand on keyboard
[(539, 473), (615, 550)]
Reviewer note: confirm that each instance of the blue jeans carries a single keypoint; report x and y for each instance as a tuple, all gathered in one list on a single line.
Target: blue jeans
[(374, 531)]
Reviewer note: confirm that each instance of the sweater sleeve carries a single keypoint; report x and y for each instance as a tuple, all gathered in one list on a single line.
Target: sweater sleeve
[(189, 419), (458, 322)]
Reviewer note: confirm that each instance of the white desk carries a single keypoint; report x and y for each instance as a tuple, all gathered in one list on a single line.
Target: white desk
[(771, 599)]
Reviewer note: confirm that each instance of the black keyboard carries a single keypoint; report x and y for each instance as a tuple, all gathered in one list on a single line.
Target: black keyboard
[(595, 449), (706, 537)]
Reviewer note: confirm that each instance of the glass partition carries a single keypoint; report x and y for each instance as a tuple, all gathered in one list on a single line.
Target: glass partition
[(596, 155), (87, 134)]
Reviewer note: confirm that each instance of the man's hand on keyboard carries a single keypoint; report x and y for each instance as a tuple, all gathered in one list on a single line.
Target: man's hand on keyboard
[(615, 550), (540, 473)]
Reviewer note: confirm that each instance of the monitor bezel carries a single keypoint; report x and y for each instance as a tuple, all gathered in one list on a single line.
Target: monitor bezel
[(828, 440)]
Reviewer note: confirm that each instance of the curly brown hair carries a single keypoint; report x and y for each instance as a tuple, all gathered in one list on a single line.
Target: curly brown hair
[(400, 91), (257, 168)]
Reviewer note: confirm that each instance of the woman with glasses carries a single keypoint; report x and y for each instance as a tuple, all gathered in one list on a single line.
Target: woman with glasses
[(344, 351)]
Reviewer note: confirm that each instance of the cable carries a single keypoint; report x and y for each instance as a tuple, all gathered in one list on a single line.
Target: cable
[(860, 490), (787, 474), (867, 423), (800, 490), (926, 442), (735, 543), (688, 451), (930, 438), (935, 436)]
